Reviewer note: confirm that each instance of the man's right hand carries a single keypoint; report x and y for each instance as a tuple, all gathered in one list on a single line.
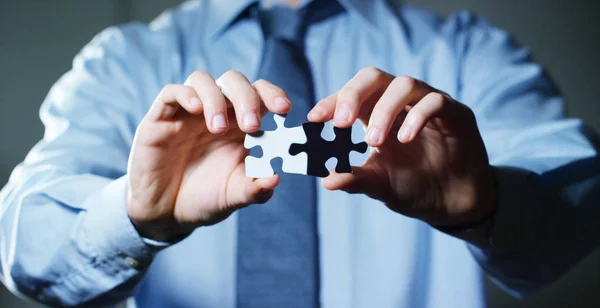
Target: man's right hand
[(186, 167)]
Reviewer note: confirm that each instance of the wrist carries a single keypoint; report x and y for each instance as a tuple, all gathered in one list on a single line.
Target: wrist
[(482, 207), (476, 230), (151, 226), (467, 225), (160, 233), (477, 233)]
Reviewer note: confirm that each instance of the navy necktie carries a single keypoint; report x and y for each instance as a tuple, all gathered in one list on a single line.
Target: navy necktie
[(278, 264)]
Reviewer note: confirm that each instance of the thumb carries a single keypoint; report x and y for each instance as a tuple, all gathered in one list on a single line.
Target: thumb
[(363, 180), (243, 191)]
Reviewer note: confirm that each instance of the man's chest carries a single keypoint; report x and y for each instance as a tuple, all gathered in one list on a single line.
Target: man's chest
[(368, 255), (336, 51)]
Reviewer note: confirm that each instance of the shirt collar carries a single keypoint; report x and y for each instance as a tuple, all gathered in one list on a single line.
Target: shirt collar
[(224, 12)]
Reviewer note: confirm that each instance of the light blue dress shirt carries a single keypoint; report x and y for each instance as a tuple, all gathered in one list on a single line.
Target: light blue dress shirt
[(65, 237)]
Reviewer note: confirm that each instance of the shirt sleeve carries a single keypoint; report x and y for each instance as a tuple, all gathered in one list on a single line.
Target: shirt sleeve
[(546, 165), (65, 237)]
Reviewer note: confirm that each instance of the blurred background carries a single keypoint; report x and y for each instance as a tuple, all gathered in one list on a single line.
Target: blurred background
[(38, 40)]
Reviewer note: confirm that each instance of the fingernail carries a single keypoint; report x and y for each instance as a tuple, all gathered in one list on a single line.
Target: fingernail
[(195, 101), (342, 114), (373, 135), (405, 132), (250, 120), (282, 102), (219, 121)]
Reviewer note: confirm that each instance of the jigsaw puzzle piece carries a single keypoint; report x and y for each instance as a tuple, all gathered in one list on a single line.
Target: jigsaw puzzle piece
[(261, 168), (258, 167), (316, 149), (343, 145), (274, 144), (295, 164), (253, 140), (320, 150)]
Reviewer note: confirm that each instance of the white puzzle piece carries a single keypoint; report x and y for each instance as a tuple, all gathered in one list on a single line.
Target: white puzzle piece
[(276, 144)]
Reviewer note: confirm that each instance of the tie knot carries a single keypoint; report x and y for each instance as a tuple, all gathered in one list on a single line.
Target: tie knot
[(284, 22)]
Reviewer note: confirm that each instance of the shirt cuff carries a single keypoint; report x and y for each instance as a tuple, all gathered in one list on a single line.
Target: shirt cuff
[(518, 211), (506, 228), (108, 234), (478, 235)]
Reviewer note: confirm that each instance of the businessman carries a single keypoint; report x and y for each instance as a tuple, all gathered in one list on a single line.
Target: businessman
[(138, 187)]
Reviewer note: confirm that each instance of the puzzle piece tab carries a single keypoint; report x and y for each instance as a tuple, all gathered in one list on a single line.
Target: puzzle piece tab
[(276, 144), (320, 150)]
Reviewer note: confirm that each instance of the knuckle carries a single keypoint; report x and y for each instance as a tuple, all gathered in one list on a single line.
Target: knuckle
[(173, 129), (232, 74), (198, 75), (406, 82), (265, 87), (169, 88), (187, 90), (372, 72), (329, 100), (380, 115), (414, 116), (218, 106), (326, 104), (260, 83), (348, 94), (250, 100), (437, 99), (166, 91), (178, 127), (215, 104)]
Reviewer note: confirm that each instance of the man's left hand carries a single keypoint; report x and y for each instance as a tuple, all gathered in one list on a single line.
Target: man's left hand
[(428, 160)]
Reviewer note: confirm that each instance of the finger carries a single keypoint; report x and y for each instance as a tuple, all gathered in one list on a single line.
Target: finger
[(431, 106), (402, 91), (273, 97), (246, 103), (358, 90), (213, 101), (173, 97), (323, 110), (363, 180), (249, 190)]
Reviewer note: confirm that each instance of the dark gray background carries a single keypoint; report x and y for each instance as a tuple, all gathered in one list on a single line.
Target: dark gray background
[(38, 40)]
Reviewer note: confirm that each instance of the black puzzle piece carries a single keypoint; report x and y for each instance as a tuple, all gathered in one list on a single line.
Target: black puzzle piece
[(320, 150)]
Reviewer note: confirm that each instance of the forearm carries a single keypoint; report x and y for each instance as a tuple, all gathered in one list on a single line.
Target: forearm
[(543, 225), (547, 212), (69, 241)]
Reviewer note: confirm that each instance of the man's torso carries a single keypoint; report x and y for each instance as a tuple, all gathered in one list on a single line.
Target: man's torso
[(369, 255)]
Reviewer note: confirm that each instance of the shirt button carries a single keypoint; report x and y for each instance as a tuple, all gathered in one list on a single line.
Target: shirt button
[(132, 262)]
